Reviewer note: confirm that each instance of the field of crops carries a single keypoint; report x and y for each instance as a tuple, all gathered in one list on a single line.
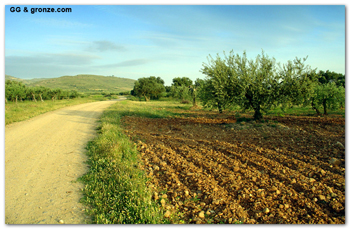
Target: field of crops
[(210, 168)]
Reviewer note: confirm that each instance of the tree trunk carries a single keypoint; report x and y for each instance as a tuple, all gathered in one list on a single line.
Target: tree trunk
[(257, 114), (194, 101), (315, 108), (33, 97), (146, 98), (41, 98), (325, 107), (219, 107)]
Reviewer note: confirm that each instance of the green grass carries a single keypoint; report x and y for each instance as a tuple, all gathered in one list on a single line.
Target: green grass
[(115, 186), (20, 111), (301, 111)]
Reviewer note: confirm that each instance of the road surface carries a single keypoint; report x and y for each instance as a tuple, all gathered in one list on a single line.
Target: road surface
[(44, 156)]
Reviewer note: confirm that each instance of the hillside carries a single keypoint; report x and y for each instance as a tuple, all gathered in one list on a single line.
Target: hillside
[(84, 83), (8, 77)]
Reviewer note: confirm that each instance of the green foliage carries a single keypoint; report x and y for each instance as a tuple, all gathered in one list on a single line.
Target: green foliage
[(115, 186), (182, 81), (216, 91), (298, 83), (16, 90), (15, 112), (329, 96), (149, 88), (252, 84), (328, 77), (184, 89)]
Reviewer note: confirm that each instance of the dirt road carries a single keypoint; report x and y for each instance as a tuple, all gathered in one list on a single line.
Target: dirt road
[(44, 156)]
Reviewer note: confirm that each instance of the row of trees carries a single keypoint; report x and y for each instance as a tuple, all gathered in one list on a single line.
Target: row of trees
[(258, 85), (263, 83), (15, 91)]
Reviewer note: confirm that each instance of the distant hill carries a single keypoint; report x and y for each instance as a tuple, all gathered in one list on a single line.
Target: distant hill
[(83, 83), (8, 77)]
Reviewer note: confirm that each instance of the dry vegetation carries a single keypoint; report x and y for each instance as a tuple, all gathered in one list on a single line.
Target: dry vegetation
[(209, 168)]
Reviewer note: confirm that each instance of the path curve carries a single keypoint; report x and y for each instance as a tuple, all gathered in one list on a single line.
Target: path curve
[(44, 156)]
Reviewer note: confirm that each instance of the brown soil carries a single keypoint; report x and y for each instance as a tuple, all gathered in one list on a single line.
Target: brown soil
[(215, 170), (44, 156)]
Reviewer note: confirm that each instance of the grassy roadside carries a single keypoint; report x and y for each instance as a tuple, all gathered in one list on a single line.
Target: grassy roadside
[(115, 186), (28, 109)]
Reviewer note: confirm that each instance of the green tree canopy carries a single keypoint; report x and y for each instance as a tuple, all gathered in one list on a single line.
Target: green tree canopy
[(149, 87), (328, 77), (252, 84), (182, 81)]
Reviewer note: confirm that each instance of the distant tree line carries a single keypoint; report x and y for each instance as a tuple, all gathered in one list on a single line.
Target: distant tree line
[(259, 85), (16, 91)]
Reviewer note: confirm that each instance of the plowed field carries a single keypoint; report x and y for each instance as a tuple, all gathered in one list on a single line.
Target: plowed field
[(212, 169)]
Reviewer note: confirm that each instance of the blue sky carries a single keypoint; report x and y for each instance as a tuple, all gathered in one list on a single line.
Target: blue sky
[(167, 41)]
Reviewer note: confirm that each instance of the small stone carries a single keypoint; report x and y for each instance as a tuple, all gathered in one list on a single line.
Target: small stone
[(286, 206), (61, 221), (156, 167), (315, 199), (201, 214), (156, 197), (186, 193), (266, 210), (333, 195), (162, 202), (278, 192), (216, 202), (230, 220), (323, 172), (322, 197), (167, 214), (312, 180), (236, 169), (334, 161), (164, 196), (293, 181)]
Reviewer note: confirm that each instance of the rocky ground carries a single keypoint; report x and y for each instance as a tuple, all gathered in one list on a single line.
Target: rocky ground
[(214, 168)]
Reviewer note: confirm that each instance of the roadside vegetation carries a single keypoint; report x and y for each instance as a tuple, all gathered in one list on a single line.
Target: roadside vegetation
[(115, 186), (24, 102)]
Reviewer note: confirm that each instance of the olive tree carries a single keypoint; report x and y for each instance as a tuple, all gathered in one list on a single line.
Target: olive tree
[(257, 84), (329, 96), (149, 87)]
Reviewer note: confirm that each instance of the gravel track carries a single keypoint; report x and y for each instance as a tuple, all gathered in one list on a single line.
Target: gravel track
[(44, 156)]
